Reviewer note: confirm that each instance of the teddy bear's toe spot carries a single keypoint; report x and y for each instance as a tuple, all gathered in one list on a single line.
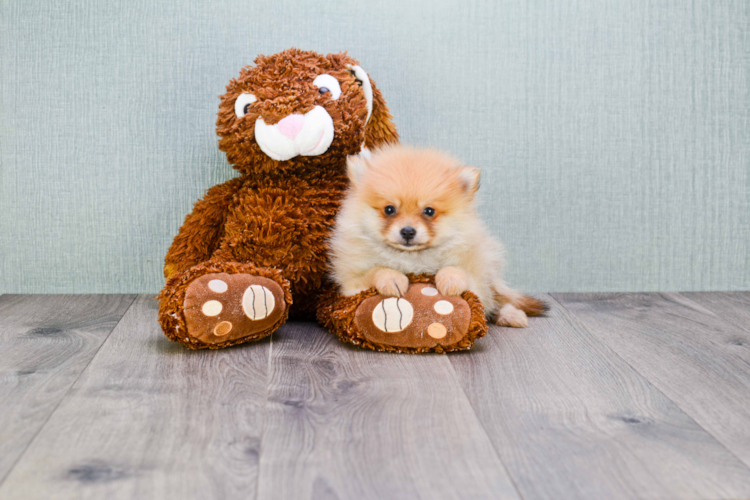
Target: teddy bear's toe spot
[(217, 286), (212, 308), (429, 291), (437, 330), (443, 307), (392, 315), (258, 302), (222, 328)]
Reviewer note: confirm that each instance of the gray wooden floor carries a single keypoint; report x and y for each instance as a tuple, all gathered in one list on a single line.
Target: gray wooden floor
[(609, 396)]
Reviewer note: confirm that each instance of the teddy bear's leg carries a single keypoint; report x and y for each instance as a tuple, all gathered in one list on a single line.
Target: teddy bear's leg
[(218, 304), (422, 320)]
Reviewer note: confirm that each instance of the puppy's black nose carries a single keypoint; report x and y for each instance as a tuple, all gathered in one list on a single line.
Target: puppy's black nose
[(408, 233)]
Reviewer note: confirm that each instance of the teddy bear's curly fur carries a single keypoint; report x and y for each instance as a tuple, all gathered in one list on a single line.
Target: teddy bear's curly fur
[(271, 223)]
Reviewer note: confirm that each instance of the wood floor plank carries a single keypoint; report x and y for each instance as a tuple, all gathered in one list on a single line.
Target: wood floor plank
[(46, 341), (697, 359), (344, 422), (151, 419), (732, 307), (572, 420)]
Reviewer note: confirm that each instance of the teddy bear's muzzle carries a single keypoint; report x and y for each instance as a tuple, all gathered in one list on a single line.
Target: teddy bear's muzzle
[(310, 134)]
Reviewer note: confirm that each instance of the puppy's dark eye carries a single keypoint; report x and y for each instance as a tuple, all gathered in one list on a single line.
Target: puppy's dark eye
[(323, 90), (429, 211), (389, 210), (246, 109)]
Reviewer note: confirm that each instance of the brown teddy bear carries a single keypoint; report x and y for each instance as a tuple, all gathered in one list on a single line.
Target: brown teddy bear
[(253, 250)]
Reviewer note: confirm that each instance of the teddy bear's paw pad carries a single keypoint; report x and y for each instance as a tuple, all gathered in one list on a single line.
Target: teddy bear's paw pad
[(422, 319), (220, 307), (258, 302), (392, 315)]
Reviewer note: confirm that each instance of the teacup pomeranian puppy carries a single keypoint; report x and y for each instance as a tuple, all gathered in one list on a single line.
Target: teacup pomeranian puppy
[(412, 210)]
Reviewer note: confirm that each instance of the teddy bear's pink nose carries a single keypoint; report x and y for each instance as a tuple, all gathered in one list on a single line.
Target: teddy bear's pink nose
[(291, 125)]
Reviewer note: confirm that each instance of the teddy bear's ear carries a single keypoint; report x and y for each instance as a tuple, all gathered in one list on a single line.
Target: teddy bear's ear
[(380, 129)]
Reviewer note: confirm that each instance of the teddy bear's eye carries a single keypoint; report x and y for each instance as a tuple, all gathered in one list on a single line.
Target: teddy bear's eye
[(356, 78), (429, 211), (328, 85), (242, 104), (389, 210)]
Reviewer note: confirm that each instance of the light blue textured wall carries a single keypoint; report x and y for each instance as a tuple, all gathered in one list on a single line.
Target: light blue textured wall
[(614, 136)]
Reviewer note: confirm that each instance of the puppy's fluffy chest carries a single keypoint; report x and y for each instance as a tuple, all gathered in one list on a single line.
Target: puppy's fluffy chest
[(429, 260)]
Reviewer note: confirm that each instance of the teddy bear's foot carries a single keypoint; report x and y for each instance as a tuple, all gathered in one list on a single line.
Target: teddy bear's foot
[(218, 304), (221, 307), (422, 320)]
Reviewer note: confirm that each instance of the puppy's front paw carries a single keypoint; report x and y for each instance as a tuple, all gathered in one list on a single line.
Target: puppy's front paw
[(510, 315), (451, 281), (390, 283)]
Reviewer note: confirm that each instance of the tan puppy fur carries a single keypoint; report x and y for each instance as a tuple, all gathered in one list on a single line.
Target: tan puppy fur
[(412, 210)]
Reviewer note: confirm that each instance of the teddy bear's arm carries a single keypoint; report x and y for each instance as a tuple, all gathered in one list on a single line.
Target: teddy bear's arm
[(199, 235)]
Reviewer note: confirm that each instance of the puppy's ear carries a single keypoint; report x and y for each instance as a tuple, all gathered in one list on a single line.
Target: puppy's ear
[(356, 166), (470, 178)]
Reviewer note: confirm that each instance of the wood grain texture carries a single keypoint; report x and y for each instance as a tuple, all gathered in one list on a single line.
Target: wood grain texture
[(696, 358), (344, 423), (150, 419), (732, 307), (572, 420), (629, 396), (45, 343)]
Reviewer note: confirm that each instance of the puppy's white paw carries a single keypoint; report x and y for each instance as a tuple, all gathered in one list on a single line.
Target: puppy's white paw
[(451, 281), (510, 315), (390, 283)]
